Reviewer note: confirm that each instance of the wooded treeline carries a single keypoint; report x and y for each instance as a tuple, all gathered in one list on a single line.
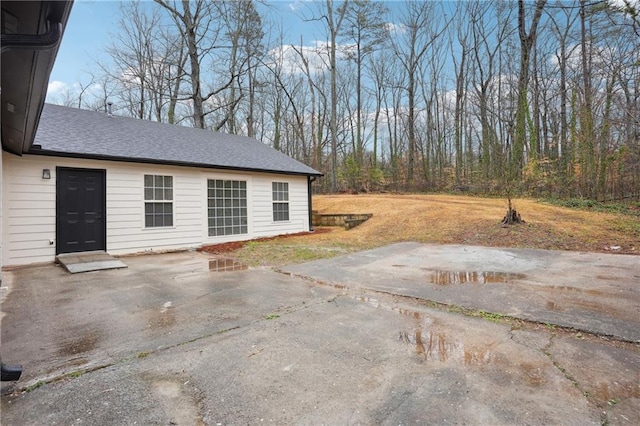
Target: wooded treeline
[(539, 98)]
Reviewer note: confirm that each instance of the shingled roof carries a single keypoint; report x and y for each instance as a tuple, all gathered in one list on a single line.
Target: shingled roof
[(72, 132)]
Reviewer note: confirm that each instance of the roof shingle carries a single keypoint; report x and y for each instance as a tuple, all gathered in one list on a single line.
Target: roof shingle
[(81, 133)]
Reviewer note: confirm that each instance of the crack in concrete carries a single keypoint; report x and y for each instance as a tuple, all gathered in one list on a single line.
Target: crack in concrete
[(39, 382), (515, 321), (547, 351)]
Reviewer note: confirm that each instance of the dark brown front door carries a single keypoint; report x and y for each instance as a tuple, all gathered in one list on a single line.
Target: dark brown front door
[(80, 210)]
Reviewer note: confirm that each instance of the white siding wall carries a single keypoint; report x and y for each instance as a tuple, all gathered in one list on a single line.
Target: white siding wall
[(29, 208), (29, 204), (263, 224)]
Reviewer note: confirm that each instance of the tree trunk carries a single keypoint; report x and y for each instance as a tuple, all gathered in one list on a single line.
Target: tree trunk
[(512, 217)]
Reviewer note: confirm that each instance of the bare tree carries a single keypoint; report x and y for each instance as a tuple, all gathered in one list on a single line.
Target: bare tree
[(527, 44), (367, 30), (195, 21), (312, 95), (461, 70), (489, 30), (540, 94), (243, 31), (333, 18), (563, 54), (378, 69), (422, 29)]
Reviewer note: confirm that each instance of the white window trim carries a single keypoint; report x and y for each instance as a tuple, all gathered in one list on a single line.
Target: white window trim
[(145, 201), (238, 178), (226, 175), (287, 202)]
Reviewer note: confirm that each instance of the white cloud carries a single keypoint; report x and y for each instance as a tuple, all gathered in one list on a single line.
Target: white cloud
[(55, 87), (59, 92), (297, 4), (395, 28), (317, 56), (291, 62)]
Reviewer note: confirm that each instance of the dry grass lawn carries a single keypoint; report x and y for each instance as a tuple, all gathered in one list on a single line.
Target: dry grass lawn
[(449, 219)]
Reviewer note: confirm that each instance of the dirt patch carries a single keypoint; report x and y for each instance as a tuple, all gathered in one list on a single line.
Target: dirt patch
[(223, 248)]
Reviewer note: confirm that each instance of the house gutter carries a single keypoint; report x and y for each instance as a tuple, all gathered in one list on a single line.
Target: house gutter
[(46, 41), (310, 180)]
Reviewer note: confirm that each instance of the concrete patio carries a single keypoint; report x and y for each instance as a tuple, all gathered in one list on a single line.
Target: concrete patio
[(168, 340)]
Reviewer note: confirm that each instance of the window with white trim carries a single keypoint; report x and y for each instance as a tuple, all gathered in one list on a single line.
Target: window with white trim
[(280, 191), (158, 201), (227, 207)]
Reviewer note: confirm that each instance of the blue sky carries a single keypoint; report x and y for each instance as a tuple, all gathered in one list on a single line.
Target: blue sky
[(87, 32), (92, 21)]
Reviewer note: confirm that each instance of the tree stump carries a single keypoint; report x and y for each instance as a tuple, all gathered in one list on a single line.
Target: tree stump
[(512, 216)]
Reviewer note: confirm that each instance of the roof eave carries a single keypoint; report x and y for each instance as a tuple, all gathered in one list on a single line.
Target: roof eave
[(50, 153), (25, 72)]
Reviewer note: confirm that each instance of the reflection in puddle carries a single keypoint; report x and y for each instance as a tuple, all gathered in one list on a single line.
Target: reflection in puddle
[(433, 345), (447, 277), (223, 264), (437, 346), (421, 319)]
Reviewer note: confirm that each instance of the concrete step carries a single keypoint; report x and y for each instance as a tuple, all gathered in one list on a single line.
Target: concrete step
[(88, 261)]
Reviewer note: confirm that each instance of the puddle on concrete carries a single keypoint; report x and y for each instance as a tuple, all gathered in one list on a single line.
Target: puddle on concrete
[(432, 345), (420, 318), (441, 277), (429, 344), (224, 264)]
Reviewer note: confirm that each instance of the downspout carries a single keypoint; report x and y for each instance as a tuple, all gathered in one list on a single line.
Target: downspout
[(310, 179), (45, 41)]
